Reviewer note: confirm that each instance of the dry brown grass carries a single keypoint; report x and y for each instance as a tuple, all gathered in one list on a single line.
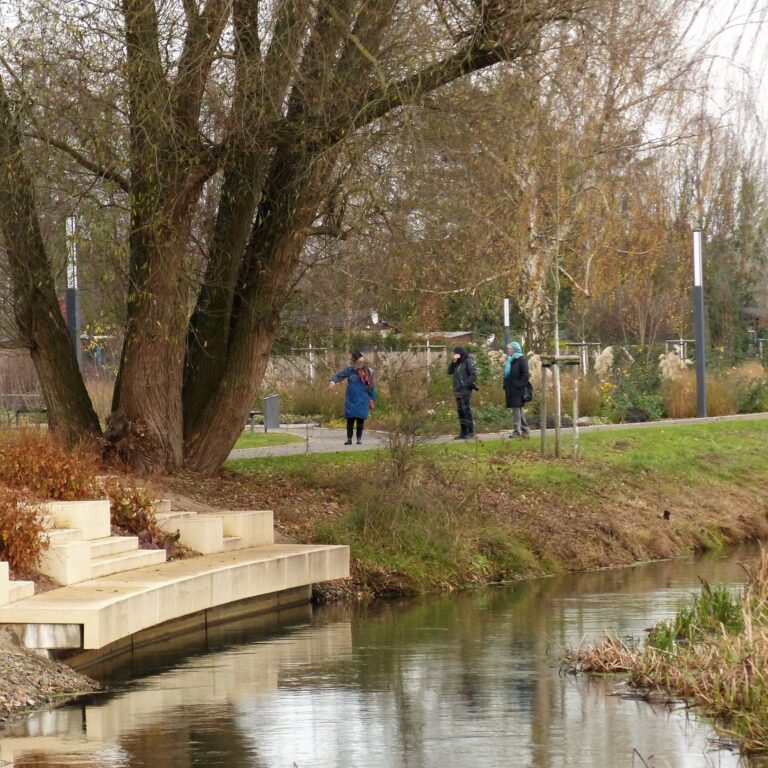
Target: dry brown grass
[(589, 394), (679, 395), (100, 390)]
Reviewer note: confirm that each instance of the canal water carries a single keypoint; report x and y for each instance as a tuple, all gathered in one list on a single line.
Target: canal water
[(457, 681)]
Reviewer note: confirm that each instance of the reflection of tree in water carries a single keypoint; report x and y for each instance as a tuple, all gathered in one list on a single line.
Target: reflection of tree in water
[(193, 738), (484, 663)]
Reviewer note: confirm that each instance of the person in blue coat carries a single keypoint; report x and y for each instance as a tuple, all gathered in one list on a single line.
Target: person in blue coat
[(360, 397)]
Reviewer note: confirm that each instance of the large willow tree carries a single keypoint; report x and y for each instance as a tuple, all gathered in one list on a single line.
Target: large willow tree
[(164, 103)]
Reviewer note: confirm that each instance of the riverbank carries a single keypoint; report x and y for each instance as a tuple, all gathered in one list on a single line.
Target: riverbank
[(457, 515), (28, 681), (460, 514)]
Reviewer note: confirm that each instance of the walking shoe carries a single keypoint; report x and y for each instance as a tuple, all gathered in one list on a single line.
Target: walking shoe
[(470, 436), (515, 435), (460, 437), (526, 433), (359, 442), (347, 442)]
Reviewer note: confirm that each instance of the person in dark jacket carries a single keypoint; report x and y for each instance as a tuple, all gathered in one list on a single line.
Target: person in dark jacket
[(360, 397), (462, 369), (516, 376)]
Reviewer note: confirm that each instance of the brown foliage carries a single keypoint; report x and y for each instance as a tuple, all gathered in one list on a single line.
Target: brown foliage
[(45, 467), (22, 533), (132, 514)]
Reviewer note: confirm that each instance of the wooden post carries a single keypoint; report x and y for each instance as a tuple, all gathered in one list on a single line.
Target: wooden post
[(575, 417), (543, 409)]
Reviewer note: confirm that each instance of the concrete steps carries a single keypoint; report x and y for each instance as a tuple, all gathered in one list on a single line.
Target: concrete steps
[(225, 531), (82, 547), (19, 590), (125, 561), (113, 590)]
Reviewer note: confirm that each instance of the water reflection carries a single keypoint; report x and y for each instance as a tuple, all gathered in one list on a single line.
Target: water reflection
[(456, 681)]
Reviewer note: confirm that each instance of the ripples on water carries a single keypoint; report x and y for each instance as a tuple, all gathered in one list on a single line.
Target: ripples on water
[(459, 681)]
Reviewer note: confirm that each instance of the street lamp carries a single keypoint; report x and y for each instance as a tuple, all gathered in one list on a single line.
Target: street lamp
[(73, 298), (506, 323), (698, 307)]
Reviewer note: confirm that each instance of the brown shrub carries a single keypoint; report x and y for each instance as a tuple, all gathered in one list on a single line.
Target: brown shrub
[(22, 533), (130, 505), (132, 514), (45, 467)]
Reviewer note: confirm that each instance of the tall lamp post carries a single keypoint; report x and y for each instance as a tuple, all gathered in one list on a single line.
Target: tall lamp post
[(698, 306), (506, 324), (73, 298)]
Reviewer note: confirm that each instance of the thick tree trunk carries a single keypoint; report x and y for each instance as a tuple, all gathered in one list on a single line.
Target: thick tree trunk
[(147, 411), (210, 323), (36, 308), (260, 90), (298, 182)]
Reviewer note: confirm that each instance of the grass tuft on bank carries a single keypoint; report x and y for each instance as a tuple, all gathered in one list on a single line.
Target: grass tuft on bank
[(714, 653)]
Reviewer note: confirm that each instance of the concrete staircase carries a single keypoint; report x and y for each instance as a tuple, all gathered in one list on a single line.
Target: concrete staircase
[(82, 546), (222, 531), (112, 590)]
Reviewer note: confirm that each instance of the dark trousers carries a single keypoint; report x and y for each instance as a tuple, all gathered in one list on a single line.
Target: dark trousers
[(351, 427), (466, 422)]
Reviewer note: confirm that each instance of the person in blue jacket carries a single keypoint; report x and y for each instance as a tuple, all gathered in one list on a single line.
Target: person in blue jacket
[(360, 397)]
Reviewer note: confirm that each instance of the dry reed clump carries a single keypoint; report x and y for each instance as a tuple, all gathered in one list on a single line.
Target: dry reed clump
[(679, 395), (721, 670), (743, 389), (610, 656)]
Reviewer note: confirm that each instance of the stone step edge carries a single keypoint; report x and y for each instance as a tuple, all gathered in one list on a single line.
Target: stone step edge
[(91, 602)]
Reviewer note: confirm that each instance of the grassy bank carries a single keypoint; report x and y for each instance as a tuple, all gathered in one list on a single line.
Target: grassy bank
[(713, 654), (444, 516)]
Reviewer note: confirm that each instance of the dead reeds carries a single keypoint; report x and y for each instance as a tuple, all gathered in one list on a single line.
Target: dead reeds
[(713, 654)]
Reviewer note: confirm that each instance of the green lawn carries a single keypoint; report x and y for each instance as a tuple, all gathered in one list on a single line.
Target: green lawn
[(266, 439), (719, 451)]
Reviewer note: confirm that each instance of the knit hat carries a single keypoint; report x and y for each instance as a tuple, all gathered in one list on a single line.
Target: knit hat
[(459, 351), (356, 356)]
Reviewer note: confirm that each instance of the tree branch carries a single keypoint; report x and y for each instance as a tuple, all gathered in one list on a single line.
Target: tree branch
[(81, 159), (203, 34), (471, 290)]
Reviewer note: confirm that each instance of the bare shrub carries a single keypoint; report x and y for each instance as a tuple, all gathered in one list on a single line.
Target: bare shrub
[(407, 419), (132, 514), (17, 373)]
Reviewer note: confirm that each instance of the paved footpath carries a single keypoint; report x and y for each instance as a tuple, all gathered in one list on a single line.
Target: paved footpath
[(321, 440)]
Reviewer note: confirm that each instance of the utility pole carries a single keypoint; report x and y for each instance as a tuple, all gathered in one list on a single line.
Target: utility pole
[(73, 297), (698, 306)]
